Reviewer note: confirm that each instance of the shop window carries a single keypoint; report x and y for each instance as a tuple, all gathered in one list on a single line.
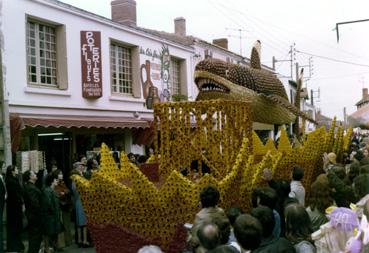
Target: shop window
[(46, 54)]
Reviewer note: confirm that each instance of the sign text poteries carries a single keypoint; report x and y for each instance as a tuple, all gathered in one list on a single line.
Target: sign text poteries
[(91, 64)]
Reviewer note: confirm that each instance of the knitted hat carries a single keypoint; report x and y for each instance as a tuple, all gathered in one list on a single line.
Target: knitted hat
[(332, 157)]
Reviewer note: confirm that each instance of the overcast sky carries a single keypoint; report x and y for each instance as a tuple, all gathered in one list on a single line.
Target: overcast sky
[(277, 24)]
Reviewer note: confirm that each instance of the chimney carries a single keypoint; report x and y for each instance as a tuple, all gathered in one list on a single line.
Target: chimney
[(180, 26), (365, 93), (222, 42), (124, 11)]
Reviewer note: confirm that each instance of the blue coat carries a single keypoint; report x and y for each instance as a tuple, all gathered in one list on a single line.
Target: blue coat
[(80, 214)]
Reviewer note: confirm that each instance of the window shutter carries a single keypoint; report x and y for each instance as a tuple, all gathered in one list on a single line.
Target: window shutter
[(61, 57), (183, 78), (136, 85)]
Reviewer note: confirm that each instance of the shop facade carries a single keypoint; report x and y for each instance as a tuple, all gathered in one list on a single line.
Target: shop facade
[(74, 80)]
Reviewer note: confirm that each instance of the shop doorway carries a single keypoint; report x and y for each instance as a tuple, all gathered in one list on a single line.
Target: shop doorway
[(57, 148)]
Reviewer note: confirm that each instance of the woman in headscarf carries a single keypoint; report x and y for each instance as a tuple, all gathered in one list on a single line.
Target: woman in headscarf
[(14, 213)]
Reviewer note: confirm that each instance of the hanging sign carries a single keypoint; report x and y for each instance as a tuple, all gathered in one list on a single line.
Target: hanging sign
[(91, 64)]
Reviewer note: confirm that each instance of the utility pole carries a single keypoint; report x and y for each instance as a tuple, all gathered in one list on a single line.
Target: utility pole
[(299, 79), (239, 36), (310, 66), (5, 142), (297, 73), (312, 97), (292, 55), (312, 92)]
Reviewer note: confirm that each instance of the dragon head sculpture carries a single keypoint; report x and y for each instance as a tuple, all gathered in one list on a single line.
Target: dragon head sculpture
[(217, 79)]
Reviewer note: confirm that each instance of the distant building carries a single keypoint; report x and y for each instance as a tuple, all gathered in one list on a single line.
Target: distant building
[(360, 118), (323, 120), (364, 100)]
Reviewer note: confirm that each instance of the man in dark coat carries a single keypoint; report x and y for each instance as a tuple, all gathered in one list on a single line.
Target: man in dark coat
[(33, 203), (2, 202), (14, 213), (343, 194), (269, 242)]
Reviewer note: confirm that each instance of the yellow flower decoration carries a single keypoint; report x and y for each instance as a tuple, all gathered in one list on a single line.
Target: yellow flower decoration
[(258, 146), (221, 137), (284, 145)]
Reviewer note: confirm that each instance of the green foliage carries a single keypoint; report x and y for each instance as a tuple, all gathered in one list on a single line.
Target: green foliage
[(179, 97)]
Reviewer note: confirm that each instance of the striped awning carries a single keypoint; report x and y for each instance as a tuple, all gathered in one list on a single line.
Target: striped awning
[(79, 121), (18, 122)]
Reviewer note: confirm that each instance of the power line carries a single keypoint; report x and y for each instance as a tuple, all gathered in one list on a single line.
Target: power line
[(239, 37), (332, 59), (235, 21), (341, 76), (271, 25), (246, 19), (283, 61)]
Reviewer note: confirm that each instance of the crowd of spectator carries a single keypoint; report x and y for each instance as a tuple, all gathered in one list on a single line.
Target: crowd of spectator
[(43, 204), (282, 218), (285, 219)]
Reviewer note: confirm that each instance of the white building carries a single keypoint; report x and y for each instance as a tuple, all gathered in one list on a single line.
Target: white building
[(74, 79)]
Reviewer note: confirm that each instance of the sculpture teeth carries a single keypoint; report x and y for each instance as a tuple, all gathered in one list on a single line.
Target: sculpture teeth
[(210, 85)]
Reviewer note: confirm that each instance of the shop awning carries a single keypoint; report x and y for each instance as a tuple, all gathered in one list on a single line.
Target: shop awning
[(80, 122), (20, 122)]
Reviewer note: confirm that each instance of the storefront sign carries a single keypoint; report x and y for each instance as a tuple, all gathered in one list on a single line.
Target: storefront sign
[(91, 64), (149, 52)]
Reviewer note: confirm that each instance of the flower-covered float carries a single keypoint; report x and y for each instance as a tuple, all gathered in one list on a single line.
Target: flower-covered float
[(125, 210)]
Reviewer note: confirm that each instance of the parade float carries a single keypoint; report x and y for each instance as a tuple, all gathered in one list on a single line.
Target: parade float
[(126, 209)]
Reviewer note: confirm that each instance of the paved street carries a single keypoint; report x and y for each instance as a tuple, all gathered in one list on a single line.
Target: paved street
[(75, 249), (71, 249)]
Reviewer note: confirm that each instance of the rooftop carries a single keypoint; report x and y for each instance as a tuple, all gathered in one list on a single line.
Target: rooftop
[(362, 101), (186, 41), (360, 118)]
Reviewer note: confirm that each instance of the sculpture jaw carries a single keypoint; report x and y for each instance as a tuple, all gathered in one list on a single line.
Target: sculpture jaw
[(212, 86), (208, 82), (263, 109)]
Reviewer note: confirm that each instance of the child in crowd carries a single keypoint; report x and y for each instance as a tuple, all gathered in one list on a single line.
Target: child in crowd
[(297, 189)]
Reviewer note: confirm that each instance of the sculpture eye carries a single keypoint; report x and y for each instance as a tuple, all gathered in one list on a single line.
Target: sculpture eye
[(227, 72)]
